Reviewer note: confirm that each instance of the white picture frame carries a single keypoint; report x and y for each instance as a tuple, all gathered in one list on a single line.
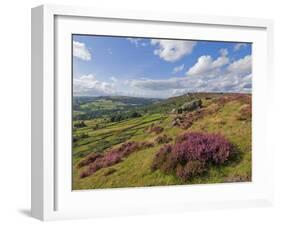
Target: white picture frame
[(52, 197)]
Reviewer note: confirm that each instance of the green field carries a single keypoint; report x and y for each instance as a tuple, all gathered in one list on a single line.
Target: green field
[(100, 132)]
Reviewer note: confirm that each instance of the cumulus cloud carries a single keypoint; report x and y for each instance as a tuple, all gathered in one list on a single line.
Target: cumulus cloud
[(206, 64), (223, 52), (239, 46), (89, 85), (241, 66), (81, 51), (222, 76), (178, 92), (150, 84), (178, 68), (172, 50)]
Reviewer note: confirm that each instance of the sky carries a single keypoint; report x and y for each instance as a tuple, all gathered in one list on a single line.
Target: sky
[(158, 68)]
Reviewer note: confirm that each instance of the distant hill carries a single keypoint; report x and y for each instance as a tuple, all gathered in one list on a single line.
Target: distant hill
[(86, 107)]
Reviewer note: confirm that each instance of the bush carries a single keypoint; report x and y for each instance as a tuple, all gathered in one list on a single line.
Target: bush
[(79, 124), (156, 129), (95, 162), (160, 159), (245, 112), (89, 159), (192, 153), (191, 169), (242, 98), (164, 139), (84, 135), (135, 114)]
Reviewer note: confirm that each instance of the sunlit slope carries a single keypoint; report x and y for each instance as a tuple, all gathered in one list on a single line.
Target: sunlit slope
[(135, 169)]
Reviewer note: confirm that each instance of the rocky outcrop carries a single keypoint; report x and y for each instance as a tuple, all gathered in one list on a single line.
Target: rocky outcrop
[(190, 106)]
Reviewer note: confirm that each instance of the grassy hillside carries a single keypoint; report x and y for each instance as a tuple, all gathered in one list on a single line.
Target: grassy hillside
[(226, 114)]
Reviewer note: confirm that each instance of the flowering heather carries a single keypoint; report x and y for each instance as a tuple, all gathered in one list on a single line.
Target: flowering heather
[(192, 153), (186, 120), (242, 98), (190, 169), (90, 158), (95, 162)]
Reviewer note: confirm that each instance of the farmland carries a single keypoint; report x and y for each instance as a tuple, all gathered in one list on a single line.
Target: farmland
[(116, 139)]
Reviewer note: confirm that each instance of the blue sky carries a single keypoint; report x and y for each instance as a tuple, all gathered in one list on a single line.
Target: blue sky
[(146, 67)]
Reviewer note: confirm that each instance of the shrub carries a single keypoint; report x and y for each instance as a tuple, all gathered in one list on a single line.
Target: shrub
[(156, 129), (74, 139), (186, 121), (95, 162), (164, 139), (160, 158), (245, 112), (191, 169), (84, 135), (89, 159), (85, 174), (242, 98), (192, 153), (135, 114), (80, 124)]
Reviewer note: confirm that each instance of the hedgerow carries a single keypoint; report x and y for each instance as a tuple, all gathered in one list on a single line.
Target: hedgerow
[(192, 154)]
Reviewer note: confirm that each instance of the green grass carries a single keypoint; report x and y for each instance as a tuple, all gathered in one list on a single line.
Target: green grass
[(128, 174), (109, 135), (101, 104), (134, 171)]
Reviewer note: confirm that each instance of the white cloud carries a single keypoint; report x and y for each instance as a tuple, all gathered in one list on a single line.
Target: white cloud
[(206, 64), (178, 92), (222, 76), (172, 50), (113, 79), (178, 68), (223, 52), (239, 46), (89, 85), (137, 41), (241, 66), (81, 51), (149, 84)]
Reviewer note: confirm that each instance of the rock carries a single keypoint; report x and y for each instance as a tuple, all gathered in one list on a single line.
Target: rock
[(176, 121), (190, 106), (174, 111)]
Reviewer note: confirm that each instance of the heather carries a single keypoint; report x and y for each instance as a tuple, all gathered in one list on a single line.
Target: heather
[(155, 129), (192, 154), (163, 139), (123, 153), (95, 162)]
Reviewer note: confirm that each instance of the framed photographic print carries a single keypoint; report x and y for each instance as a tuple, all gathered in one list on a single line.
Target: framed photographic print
[(136, 113)]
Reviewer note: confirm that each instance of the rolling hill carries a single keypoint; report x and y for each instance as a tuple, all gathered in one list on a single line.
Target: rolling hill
[(144, 126)]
